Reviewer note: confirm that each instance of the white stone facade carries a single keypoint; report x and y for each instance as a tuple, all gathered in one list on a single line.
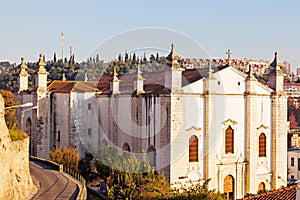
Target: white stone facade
[(176, 105)]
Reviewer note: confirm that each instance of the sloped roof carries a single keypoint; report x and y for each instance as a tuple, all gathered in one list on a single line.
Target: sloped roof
[(59, 86), (154, 82), (282, 193)]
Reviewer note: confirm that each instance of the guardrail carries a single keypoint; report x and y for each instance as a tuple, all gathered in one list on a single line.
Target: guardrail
[(56, 166), (62, 168), (80, 178)]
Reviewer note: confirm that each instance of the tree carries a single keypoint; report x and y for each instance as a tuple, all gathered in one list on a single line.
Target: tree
[(69, 157), (157, 57), (134, 61), (126, 57), (152, 58), (57, 155), (84, 165), (54, 58)]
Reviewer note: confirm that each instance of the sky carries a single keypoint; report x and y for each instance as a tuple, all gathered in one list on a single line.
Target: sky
[(250, 29)]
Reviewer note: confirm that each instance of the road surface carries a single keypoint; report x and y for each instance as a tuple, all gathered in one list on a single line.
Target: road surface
[(53, 184)]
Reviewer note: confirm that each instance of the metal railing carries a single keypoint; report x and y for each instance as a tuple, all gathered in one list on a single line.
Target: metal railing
[(78, 177)]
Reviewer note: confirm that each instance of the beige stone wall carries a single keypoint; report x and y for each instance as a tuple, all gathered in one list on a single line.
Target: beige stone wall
[(15, 177)]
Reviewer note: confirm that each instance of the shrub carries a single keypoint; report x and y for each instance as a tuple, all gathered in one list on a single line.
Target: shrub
[(16, 134), (69, 157)]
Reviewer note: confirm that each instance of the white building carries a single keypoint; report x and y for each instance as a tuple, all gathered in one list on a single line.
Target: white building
[(294, 163), (219, 124)]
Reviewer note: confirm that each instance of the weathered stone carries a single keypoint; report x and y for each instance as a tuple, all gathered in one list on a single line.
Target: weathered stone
[(15, 181)]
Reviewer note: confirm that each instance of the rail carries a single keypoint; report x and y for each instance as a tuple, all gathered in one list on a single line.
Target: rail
[(78, 177)]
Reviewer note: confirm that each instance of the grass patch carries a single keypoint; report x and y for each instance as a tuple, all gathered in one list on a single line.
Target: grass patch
[(16, 134)]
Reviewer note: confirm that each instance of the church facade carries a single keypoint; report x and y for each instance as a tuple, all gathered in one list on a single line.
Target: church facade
[(193, 124)]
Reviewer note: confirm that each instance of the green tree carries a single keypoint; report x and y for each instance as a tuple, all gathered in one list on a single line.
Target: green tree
[(84, 165), (54, 58)]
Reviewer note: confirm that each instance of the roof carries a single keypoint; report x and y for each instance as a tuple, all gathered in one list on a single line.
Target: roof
[(59, 86), (282, 193), (154, 82), (292, 84)]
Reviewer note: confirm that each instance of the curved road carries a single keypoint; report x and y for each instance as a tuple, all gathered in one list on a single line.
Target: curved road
[(53, 184)]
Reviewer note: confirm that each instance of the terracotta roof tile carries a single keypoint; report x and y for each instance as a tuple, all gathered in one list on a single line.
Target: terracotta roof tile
[(286, 193), (73, 86), (154, 82)]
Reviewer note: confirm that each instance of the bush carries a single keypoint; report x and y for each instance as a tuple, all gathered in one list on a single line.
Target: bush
[(69, 157), (16, 134)]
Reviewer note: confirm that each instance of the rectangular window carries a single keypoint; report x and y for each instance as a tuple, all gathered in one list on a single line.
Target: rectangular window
[(298, 164), (58, 136), (89, 106), (292, 161), (89, 132)]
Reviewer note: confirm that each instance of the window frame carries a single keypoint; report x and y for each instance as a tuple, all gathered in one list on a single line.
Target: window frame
[(229, 140), (262, 145)]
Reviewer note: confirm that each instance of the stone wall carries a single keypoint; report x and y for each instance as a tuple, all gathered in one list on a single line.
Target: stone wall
[(15, 177)]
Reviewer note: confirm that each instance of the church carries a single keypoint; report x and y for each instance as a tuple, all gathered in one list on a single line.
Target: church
[(194, 124)]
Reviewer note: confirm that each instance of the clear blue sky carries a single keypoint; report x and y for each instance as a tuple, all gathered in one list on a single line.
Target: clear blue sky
[(251, 29)]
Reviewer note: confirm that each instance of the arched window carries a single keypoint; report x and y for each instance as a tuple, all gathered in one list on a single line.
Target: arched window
[(261, 186), (193, 149), (126, 147), (229, 140), (262, 145)]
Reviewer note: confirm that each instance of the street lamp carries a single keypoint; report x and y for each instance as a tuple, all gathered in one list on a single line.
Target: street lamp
[(29, 104)]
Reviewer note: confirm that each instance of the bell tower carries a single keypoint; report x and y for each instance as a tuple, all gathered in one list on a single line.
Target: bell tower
[(42, 78), (279, 125)]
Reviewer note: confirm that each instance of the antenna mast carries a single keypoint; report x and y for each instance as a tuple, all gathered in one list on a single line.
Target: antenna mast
[(62, 44)]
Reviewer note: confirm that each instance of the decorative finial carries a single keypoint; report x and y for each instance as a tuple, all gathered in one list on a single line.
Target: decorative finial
[(23, 66), (228, 54), (250, 72), (139, 82), (115, 71), (64, 77), (275, 64), (174, 58), (139, 72), (173, 48), (42, 62), (23, 71), (276, 57), (115, 75)]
